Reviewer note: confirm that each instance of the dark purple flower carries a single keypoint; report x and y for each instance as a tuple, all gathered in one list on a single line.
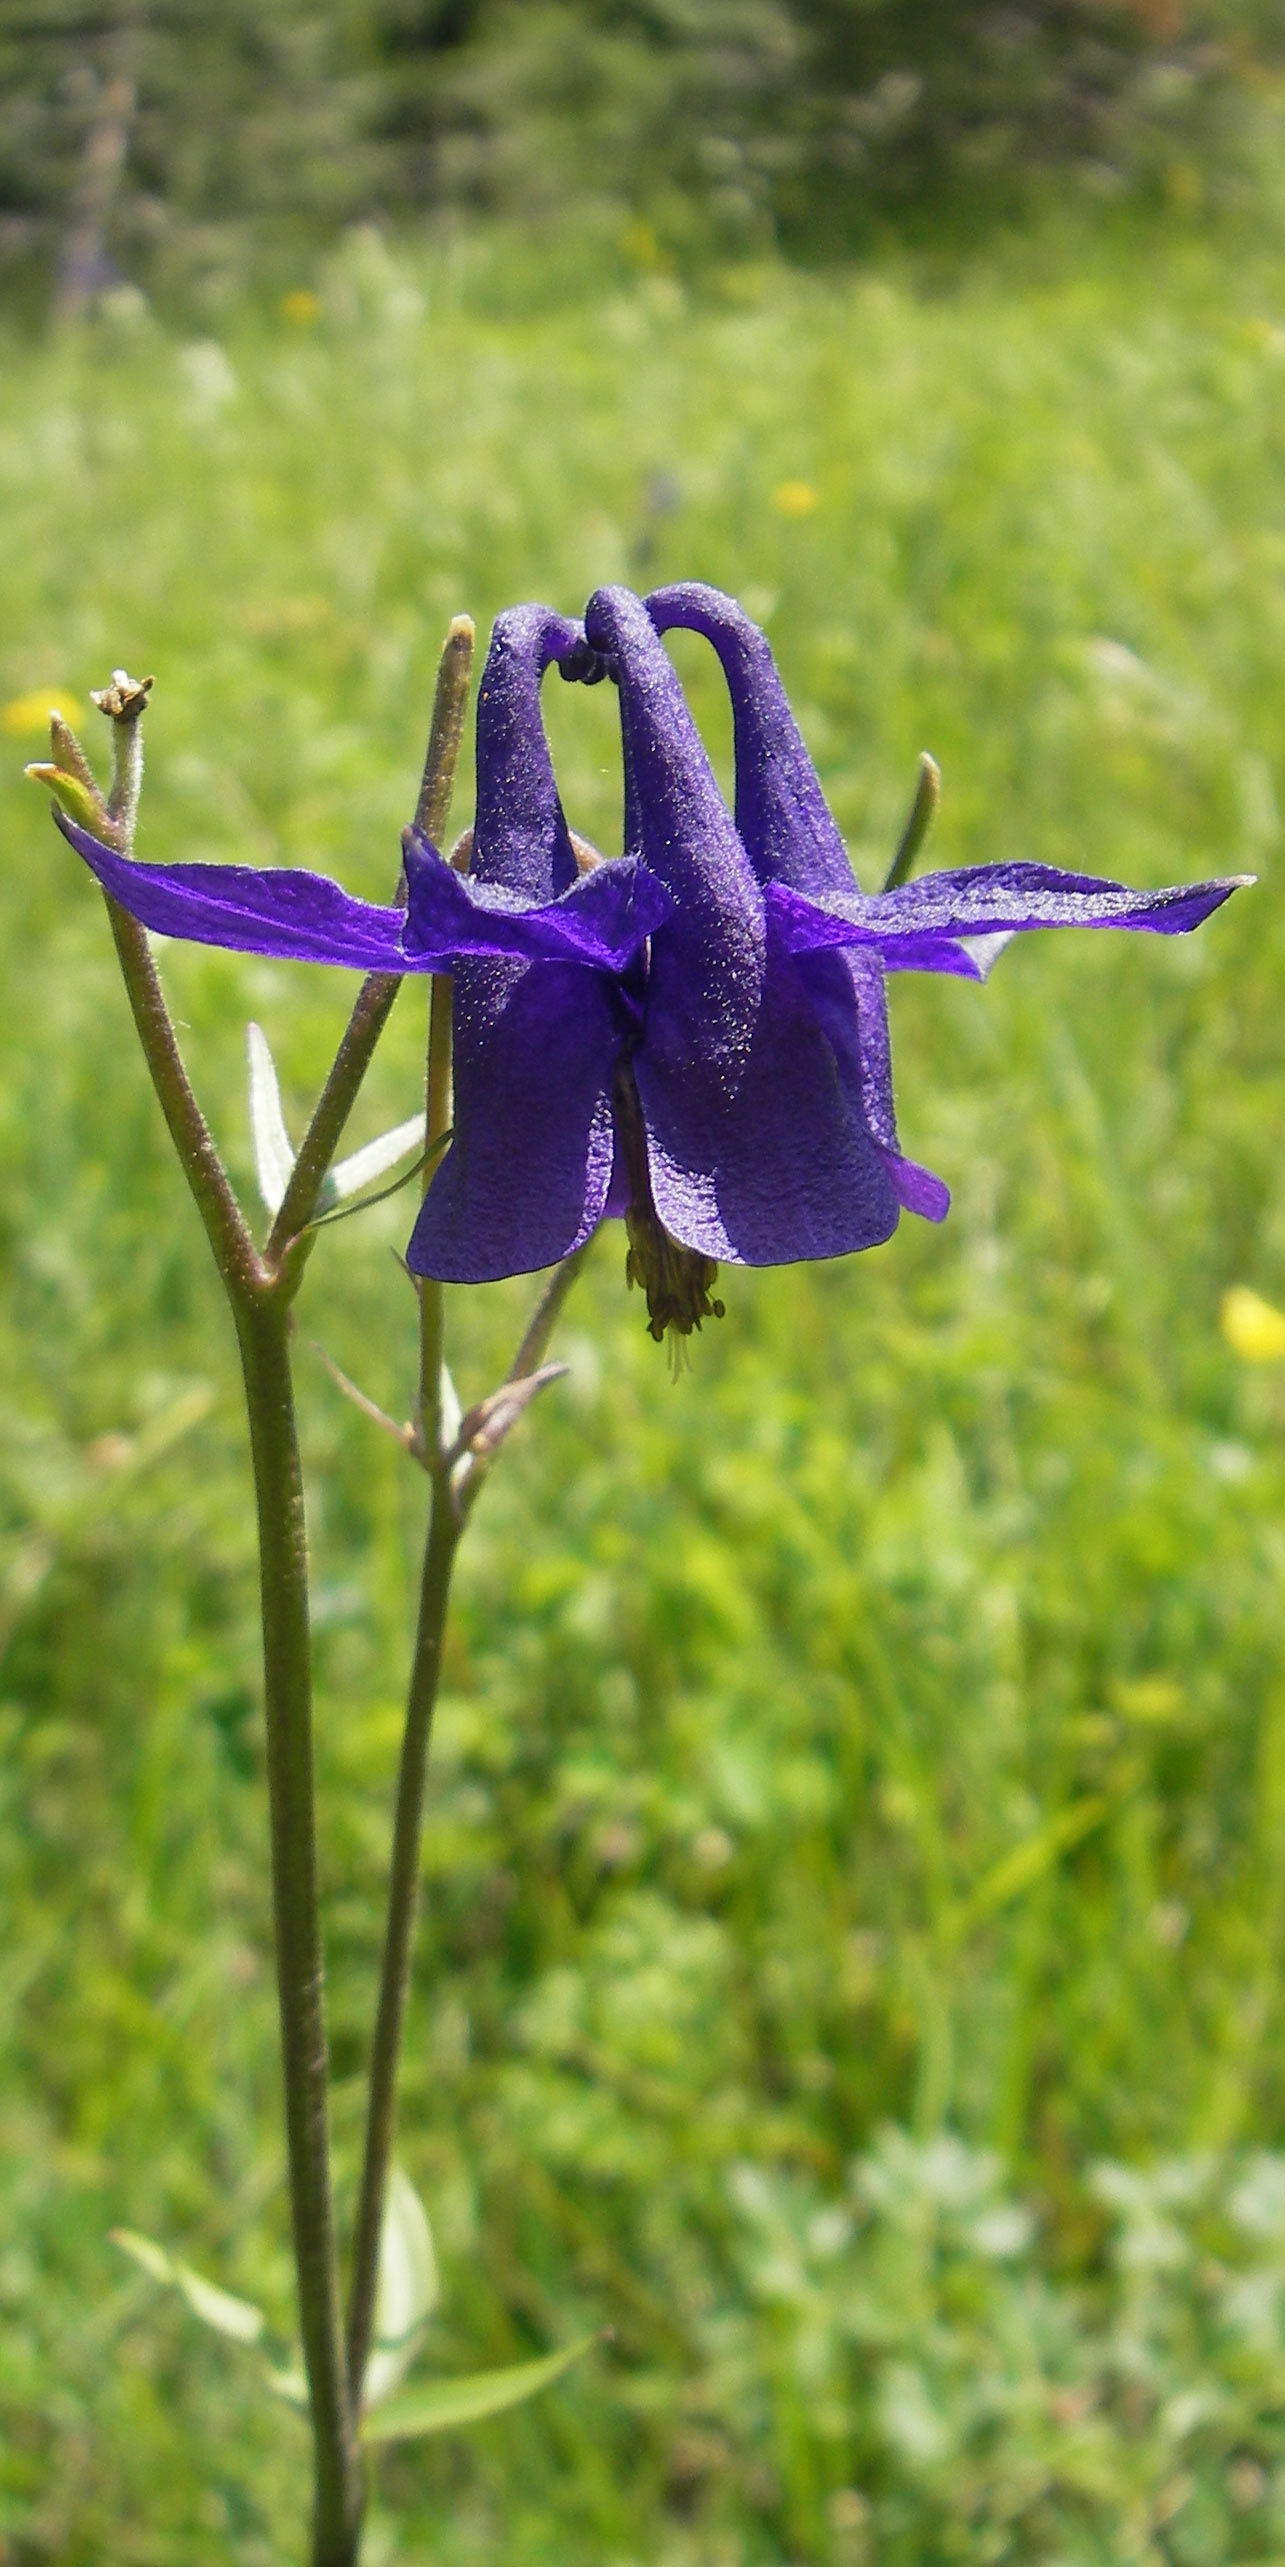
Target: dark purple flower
[(537, 948), (835, 942), (693, 1035), (759, 1150)]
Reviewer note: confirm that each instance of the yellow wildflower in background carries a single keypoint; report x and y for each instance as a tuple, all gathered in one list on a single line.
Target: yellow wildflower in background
[(794, 498), (300, 304), (29, 714), (1252, 1328)]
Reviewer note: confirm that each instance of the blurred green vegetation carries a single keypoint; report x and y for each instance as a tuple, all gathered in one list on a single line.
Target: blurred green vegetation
[(859, 1804), (185, 148)]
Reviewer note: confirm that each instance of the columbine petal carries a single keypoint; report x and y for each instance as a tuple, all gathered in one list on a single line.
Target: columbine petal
[(791, 839), (534, 1041), (757, 1152), (782, 816)]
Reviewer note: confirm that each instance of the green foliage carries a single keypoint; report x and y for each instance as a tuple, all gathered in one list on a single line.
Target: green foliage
[(811, 121), (882, 1725), (247, 130), (256, 112)]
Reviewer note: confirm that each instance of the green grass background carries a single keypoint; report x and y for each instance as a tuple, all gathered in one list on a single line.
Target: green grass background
[(859, 1803)]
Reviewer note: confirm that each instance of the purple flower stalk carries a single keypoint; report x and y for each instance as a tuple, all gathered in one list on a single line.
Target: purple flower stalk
[(693, 1034)]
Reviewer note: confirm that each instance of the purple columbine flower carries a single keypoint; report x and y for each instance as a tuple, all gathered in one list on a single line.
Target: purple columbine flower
[(837, 942), (694, 1034), (742, 1140), (538, 949)]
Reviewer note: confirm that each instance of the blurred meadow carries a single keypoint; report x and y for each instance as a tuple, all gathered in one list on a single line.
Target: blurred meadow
[(854, 1903)]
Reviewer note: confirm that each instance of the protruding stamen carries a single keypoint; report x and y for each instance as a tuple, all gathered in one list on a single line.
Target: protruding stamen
[(677, 1280)]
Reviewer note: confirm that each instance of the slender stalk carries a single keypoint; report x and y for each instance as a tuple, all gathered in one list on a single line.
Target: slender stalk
[(259, 1302), (379, 989), (918, 822), (234, 1250), (435, 1581), (447, 1518), (371, 1011), (446, 729), (263, 1334), (403, 1899), (544, 1318), (260, 1290)]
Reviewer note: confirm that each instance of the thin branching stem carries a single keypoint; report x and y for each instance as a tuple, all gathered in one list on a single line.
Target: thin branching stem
[(260, 1312), (399, 1929), (375, 998)]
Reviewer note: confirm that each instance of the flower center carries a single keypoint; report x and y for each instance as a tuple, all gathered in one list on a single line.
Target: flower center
[(676, 1280)]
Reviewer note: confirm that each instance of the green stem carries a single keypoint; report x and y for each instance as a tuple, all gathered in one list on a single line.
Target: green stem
[(403, 1895), (260, 1290), (545, 1316), (263, 1333), (371, 1011), (435, 1585), (450, 1507), (378, 991), (259, 1304)]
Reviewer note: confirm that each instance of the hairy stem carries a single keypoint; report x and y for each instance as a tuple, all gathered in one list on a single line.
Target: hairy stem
[(446, 1525), (403, 1894), (379, 989), (544, 1318), (262, 1330)]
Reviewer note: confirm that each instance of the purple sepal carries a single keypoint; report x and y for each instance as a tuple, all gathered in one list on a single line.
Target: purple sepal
[(298, 917), (911, 923), (525, 1179), (601, 920), (304, 917)]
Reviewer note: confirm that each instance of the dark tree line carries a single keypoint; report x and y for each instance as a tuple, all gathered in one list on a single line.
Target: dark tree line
[(130, 126)]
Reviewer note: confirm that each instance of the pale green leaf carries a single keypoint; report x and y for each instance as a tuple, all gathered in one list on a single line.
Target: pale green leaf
[(143, 2251), (407, 2289), (376, 1158), (452, 1413), (220, 2309), (290, 2385), (442, 2405), (273, 1155)]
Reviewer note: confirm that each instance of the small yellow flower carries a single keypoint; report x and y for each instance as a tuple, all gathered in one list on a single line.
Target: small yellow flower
[(794, 498), (1252, 1328), (27, 715), (300, 304)]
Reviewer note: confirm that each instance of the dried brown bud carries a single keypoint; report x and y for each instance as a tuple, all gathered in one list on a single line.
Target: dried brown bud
[(125, 698)]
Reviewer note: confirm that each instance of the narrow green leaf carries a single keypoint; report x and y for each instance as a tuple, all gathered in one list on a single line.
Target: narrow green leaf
[(219, 2309), (376, 1158), (273, 1154), (442, 2405), (290, 2385), (143, 2251), (407, 2291), (1026, 1863), (452, 1415)]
